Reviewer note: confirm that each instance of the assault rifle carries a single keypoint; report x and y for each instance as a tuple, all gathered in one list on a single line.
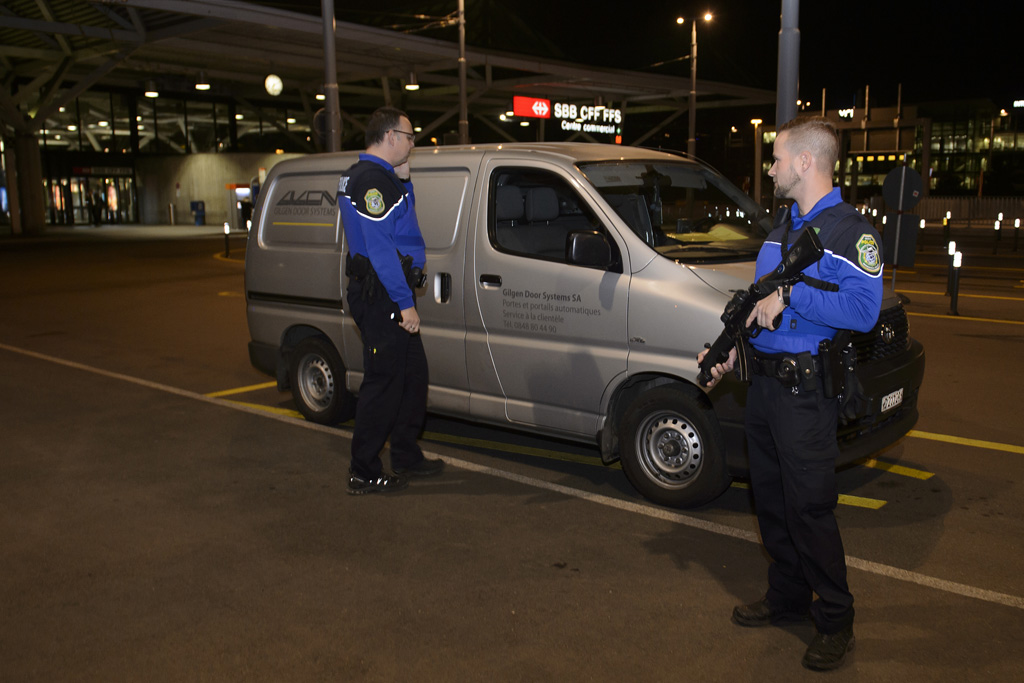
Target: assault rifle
[(806, 250)]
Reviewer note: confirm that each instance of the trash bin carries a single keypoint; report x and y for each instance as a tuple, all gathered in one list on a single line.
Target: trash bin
[(199, 209)]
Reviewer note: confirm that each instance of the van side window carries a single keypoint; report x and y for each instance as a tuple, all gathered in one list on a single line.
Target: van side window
[(533, 212)]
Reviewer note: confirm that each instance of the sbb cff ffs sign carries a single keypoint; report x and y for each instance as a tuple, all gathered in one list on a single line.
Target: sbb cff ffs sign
[(531, 107)]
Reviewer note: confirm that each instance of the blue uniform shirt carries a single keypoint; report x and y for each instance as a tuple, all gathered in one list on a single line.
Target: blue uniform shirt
[(378, 212), (852, 260)]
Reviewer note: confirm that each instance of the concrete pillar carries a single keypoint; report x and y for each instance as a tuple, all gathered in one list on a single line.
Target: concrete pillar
[(28, 213)]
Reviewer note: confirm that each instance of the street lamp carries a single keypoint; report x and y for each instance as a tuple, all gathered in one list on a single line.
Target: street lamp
[(757, 160), (691, 142)]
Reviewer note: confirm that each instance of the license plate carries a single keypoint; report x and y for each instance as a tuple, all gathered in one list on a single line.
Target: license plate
[(893, 400)]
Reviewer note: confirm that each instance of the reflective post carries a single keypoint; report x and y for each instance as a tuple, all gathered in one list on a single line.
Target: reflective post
[(951, 250), (920, 242), (945, 226), (957, 260), (227, 245), (995, 244), (1016, 232)]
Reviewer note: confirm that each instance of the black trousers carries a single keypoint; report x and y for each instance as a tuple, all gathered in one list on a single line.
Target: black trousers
[(393, 396), (791, 440)]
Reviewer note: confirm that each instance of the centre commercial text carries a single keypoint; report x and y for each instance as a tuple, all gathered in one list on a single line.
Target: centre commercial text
[(586, 118)]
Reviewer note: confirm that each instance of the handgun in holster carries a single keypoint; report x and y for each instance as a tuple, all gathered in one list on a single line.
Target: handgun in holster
[(414, 276)]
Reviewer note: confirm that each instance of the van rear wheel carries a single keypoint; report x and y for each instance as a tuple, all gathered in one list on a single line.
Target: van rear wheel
[(672, 447), (317, 377)]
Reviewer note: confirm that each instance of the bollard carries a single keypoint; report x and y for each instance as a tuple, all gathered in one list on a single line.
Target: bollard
[(227, 245), (995, 244), (951, 250), (920, 242), (1016, 232), (957, 259)]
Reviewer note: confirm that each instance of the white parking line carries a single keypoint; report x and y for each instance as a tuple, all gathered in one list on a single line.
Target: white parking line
[(624, 505)]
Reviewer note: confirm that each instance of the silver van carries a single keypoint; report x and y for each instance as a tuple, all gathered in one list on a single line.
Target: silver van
[(570, 288)]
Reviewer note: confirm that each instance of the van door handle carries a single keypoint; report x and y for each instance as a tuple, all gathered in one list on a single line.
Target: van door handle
[(490, 280), (442, 287)]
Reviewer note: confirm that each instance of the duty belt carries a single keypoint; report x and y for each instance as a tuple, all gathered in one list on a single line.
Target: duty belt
[(789, 369)]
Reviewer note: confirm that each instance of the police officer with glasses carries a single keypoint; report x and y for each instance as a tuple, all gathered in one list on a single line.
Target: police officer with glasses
[(385, 266)]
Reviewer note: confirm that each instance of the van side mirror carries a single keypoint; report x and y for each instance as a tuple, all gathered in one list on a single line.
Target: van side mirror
[(588, 248)]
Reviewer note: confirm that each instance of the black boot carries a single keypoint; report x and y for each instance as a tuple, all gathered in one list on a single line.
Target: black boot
[(828, 650)]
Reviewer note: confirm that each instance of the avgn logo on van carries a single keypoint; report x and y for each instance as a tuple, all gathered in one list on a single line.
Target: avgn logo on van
[(306, 198)]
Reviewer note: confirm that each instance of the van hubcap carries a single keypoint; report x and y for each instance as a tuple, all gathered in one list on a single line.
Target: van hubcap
[(670, 449), (316, 382)]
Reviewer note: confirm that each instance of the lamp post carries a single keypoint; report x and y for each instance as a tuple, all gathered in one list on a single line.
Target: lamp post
[(757, 160), (691, 142)]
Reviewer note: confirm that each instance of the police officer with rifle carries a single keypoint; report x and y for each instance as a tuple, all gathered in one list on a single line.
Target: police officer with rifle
[(794, 363), (385, 266)]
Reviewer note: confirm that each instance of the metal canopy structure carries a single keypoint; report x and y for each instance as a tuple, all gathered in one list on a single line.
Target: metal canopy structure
[(54, 51)]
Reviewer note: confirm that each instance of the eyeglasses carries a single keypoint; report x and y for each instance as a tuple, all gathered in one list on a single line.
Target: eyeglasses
[(412, 136)]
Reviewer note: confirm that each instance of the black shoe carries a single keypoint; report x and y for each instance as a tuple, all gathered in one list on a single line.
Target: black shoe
[(424, 468), (760, 613), (385, 483), (827, 651)]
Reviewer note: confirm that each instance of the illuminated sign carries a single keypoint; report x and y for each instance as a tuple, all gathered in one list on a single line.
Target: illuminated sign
[(531, 107), (1018, 103), (846, 113), (572, 117)]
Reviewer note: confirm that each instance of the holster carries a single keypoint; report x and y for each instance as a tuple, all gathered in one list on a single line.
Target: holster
[(359, 269), (838, 362), (414, 277)]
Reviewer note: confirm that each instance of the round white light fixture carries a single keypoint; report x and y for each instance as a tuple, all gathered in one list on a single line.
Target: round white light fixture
[(273, 84)]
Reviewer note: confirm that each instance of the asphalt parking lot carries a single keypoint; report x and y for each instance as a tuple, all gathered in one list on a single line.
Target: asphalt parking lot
[(166, 516)]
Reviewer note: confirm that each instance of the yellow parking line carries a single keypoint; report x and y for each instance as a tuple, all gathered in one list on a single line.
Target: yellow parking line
[(241, 390), (977, 443), (965, 317), (286, 412), (844, 499), (962, 296), (896, 469)]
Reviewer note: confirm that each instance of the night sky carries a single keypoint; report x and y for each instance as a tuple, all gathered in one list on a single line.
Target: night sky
[(937, 49)]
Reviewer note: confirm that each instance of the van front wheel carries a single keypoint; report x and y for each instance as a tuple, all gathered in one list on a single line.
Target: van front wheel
[(318, 382), (672, 447)]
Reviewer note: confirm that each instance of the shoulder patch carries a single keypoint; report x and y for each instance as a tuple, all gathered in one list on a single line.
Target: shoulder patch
[(868, 256), (374, 201)]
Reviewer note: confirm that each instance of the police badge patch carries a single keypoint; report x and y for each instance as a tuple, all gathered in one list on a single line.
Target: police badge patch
[(374, 201), (868, 256)]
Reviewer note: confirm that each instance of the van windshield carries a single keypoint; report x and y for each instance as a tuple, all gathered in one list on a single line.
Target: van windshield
[(683, 211)]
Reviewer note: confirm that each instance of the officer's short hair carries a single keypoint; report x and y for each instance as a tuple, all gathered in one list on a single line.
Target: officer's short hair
[(817, 135), (381, 121)]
